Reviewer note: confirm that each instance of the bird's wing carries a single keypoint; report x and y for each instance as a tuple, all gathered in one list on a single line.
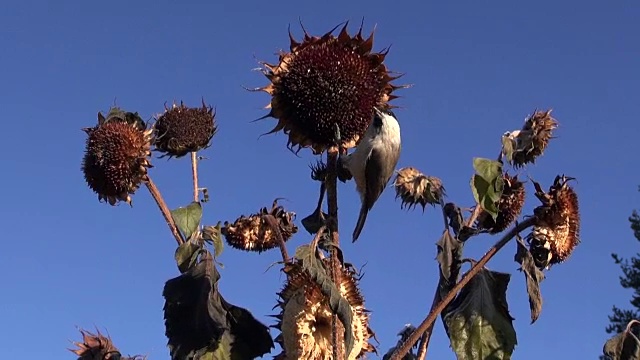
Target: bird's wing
[(375, 168)]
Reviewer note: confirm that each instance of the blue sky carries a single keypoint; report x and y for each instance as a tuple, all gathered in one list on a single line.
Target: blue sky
[(477, 69)]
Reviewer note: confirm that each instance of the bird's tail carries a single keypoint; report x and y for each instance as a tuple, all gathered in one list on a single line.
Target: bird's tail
[(364, 211)]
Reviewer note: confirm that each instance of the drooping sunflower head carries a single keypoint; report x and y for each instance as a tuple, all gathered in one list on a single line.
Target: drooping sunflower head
[(531, 141), (509, 206), (416, 188), (256, 232), (181, 130), (327, 81), (557, 231), (95, 347), (305, 317), (116, 156)]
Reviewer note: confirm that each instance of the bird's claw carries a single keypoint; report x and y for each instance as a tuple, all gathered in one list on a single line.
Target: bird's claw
[(336, 134)]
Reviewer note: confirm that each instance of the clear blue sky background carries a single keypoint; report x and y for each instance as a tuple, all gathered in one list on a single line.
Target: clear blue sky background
[(477, 69)]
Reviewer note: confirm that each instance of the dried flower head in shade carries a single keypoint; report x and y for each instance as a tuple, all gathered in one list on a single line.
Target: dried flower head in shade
[(181, 130), (98, 347), (117, 155), (305, 317), (509, 206), (414, 188), (525, 145), (557, 231), (324, 81), (255, 233)]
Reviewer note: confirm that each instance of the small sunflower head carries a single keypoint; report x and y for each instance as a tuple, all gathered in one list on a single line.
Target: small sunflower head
[(97, 347), (531, 141), (256, 233), (117, 155), (509, 206), (327, 81), (557, 231), (414, 188), (305, 317), (181, 130)]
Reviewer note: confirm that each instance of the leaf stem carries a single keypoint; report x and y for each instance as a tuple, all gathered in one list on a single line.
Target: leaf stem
[(430, 319), (194, 175), (337, 334), (166, 213)]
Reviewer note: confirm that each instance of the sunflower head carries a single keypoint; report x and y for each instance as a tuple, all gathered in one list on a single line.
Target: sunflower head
[(305, 317), (95, 347), (327, 81), (509, 206), (531, 141), (557, 231), (181, 130), (255, 232), (414, 188), (116, 156)]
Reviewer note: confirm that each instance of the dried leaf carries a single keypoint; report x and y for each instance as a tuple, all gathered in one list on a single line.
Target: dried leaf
[(487, 184), (623, 346), (449, 257), (338, 304), (186, 256), (478, 322), (212, 234), (508, 146), (197, 318), (188, 218), (533, 276)]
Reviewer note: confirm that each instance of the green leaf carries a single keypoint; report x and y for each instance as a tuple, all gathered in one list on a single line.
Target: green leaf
[(186, 255), (533, 276), (338, 304), (487, 184), (478, 322), (212, 234), (623, 346), (188, 218), (199, 322)]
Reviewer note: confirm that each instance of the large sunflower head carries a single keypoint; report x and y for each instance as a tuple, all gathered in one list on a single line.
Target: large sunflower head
[(324, 81), (117, 155), (557, 231), (305, 318)]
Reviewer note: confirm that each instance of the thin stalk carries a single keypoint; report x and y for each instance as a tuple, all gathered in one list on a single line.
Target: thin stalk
[(166, 213), (273, 224), (337, 333), (477, 267), (194, 175)]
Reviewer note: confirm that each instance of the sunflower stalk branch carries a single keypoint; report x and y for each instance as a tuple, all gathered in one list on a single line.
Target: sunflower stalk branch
[(428, 322), (273, 224), (332, 204), (194, 175), (164, 209)]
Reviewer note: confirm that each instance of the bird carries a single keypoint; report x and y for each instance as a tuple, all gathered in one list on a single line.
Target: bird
[(373, 162)]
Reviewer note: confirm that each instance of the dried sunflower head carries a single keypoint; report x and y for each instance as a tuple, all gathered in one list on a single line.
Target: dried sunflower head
[(117, 155), (414, 188), (325, 81), (98, 347), (305, 317), (509, 206), (557, 231), (181, 130), (525, 145), (255, 232)]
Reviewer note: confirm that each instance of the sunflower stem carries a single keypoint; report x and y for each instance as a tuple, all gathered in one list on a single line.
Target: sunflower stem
[(194, 175), (428, 322), (332, 204), (273, 224), (164, 209)]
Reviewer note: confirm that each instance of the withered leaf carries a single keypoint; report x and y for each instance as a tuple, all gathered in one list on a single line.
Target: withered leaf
[(338, 304), (211, 234), (623, 346), (532, 275), (450, 259), (197, 317), (188, 218), (508, 146), (186, 255), (478, 322), (487, 184)]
